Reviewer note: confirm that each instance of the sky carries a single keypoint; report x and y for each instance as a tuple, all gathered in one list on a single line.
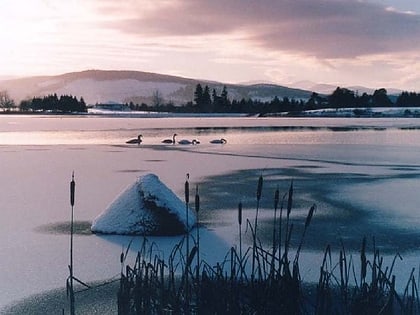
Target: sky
[(372, 43)]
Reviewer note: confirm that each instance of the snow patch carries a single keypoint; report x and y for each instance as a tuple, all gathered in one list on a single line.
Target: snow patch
[(147, 207)]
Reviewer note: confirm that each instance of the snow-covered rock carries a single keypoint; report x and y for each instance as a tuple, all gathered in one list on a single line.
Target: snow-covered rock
[(147, 207)]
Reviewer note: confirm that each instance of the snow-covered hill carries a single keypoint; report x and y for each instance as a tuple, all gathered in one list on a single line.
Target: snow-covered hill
[(329, 88), (99, 86)]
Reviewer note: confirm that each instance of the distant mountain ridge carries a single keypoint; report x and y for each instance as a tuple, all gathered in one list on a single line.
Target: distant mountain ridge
[(327, 89), (107, 86), (121, 86)]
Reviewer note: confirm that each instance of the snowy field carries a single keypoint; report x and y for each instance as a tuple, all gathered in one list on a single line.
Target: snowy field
[(363, 174)]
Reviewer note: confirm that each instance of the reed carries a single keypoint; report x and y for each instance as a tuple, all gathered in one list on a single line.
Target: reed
[(274, 240), (197, 210), (240, 237), (254, 229), (269, 286), (187, 271)]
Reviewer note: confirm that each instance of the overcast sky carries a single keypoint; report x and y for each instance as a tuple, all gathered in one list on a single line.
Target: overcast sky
[(342, 42)]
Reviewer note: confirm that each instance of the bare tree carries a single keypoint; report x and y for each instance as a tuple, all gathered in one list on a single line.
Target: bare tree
[(5, 101), (157, 98)]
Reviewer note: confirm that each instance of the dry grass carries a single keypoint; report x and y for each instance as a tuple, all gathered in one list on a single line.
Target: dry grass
[(261, 280)]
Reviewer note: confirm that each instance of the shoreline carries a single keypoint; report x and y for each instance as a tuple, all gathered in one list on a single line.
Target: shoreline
[(345, 112)]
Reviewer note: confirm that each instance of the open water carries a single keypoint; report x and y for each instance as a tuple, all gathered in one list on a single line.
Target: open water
[(363, 175)]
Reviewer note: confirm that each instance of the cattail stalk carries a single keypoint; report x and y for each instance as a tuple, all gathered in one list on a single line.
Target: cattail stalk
[(276, 204), (187, 200), (259, 192), (197, 209), (288, 233), (363, 262), (240, 231), (72, 195), (307, 223), (280, 230)]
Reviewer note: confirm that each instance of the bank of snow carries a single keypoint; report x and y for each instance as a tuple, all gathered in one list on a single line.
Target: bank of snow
[(147, 207), (365, 112)]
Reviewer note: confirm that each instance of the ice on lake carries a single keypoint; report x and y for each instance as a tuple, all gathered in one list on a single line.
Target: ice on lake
[(362, 173)]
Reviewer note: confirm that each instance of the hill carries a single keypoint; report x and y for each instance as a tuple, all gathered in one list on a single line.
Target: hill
[(329, 88), (100, 86)]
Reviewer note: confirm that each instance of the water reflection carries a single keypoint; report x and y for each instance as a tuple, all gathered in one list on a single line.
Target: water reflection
[(235, 135), (79, 228)]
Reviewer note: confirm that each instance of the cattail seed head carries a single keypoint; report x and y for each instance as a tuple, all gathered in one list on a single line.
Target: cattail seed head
[(276, 198), (72, 190), (290, 199), (259, 187), (310, 214), (197, 200), (187, 191)]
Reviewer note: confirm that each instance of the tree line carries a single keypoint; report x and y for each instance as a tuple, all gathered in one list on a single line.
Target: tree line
[(52, 103), (64, 104), (206, 100), (210, 101)]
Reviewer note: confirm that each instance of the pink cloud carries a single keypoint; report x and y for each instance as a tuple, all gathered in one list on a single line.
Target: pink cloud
[(320, 28)]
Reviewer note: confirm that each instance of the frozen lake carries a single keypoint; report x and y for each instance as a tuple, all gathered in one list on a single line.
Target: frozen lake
[(363, 174)]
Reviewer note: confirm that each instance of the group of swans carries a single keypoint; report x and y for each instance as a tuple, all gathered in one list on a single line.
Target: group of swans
[(139, 140), (183, 141)]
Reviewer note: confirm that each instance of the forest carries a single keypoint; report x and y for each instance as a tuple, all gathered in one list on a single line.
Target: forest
[(212, 101), (50, 103), (206, 101)]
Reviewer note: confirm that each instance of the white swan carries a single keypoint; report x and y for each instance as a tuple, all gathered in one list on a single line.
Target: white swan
[(186, 141), (170, 141), (137, 140), (219, 141)]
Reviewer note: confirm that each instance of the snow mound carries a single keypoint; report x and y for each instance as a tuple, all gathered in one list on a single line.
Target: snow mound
[(147, 207)]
